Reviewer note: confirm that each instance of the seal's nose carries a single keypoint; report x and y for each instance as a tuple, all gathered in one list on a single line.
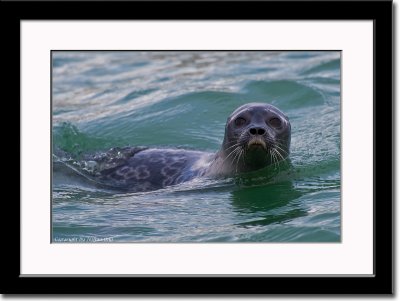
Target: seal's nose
[(256, 131)]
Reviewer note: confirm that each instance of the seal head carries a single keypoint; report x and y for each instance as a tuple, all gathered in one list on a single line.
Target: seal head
[(256, 135)]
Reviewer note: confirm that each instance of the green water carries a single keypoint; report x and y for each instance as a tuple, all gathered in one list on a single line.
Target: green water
[(182, 100)]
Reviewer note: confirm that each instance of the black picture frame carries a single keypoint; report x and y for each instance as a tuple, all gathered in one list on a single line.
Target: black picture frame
[(379, 11)]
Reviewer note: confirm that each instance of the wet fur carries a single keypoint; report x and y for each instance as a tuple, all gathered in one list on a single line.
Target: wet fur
[(140, 169)]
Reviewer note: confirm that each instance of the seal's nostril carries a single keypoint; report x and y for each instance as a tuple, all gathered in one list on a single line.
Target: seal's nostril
[(261, 131), (257, 131)]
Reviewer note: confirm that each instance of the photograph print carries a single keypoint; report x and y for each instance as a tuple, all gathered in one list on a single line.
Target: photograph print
[(196, 146)]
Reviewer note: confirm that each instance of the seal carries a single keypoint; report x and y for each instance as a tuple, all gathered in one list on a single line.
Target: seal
[(256, 135)]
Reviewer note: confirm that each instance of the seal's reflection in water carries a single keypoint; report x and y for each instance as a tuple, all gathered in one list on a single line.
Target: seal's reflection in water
[(269, 204)]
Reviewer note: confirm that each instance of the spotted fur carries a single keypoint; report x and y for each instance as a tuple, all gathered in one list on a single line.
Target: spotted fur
[(142, 169)]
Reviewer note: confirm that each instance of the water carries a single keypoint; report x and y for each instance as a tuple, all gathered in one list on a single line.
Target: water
[(182, 100)]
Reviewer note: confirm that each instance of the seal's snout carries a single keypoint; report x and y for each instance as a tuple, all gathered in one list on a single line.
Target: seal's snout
[(257, 131)]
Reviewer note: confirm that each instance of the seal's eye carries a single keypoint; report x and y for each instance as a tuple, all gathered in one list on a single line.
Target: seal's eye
[(275, 122), (240, 121)]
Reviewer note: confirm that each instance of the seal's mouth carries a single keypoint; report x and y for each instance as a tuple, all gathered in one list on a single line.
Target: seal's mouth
[(256, 143)]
